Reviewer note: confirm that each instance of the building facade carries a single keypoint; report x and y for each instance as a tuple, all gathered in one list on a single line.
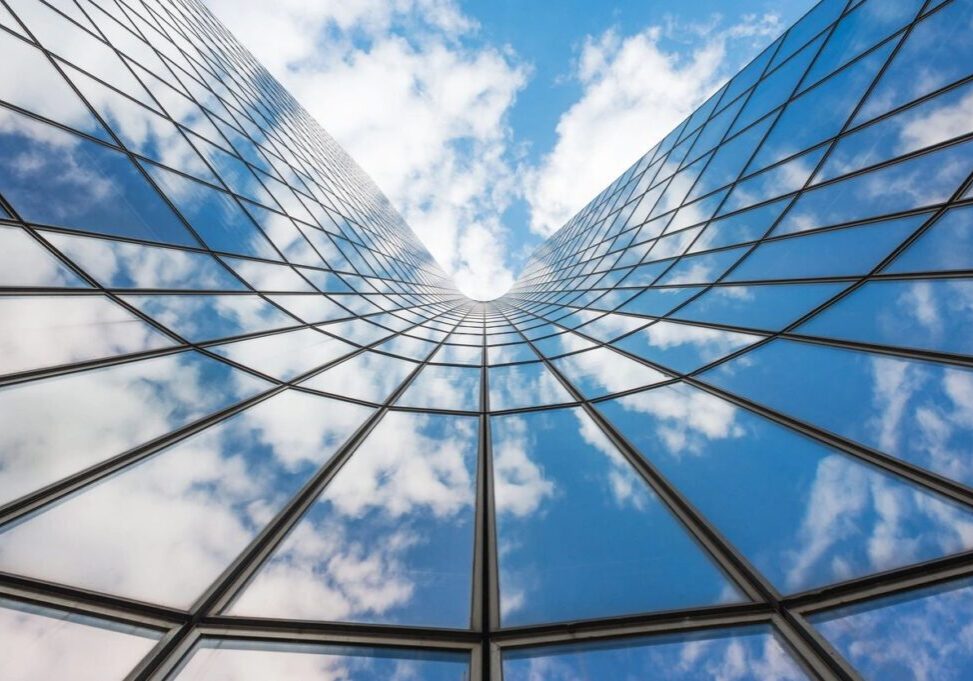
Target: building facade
[(721, 427)]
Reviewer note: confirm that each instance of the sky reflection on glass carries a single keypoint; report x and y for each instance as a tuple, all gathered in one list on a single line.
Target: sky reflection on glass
[(915, 410), (41, 643), (174, 218), (580, 534), (922, 635), (244, 661), (237, 474), (104, 412), (391, 537), (804, 514), (748, 654)]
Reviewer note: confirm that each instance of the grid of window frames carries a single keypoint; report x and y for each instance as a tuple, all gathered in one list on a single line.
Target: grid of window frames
[(720, 428)]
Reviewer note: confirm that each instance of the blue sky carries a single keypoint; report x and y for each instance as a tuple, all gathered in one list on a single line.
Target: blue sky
[(488, 123)]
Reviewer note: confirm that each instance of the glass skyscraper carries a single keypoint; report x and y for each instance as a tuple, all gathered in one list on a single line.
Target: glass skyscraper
[(721, 427)]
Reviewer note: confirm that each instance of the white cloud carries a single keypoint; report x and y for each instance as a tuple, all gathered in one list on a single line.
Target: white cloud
[(635, 90), (423, 115)]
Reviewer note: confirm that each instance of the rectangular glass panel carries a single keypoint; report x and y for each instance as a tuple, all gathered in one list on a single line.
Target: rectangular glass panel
[(745, 654), (42, 643), (252, 661), (580, 534), (44, 331), (391, 537)]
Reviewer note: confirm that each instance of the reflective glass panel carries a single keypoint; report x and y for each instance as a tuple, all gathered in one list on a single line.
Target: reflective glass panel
[(24, 262), (804, 514), (524, 385), (285, 355), (747, 654), (931, 314), (947, 245), (933, 55), (769, 307), (41, 643), (44, 92), (580, 534), (119, 264), (216, 217), (684, 347), (391, 537), (141, 129), (207, 317), (247, 661), (370, 376), (843, 252), (444, 387), (918, 635), (43, 331), (603, 371), (41, 176)]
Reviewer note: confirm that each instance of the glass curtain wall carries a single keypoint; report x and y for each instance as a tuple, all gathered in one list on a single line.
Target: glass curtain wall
[(721, 427)]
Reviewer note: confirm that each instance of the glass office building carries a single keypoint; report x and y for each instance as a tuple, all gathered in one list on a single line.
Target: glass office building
[(721, 428)]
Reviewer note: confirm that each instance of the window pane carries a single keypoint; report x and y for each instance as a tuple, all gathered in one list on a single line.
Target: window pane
[(684, 347), (248, 661), (602, 371), (73, 182), (747, 654), (214, 215), (769, 307), (24, 262), (44, 91), (934, 314), (44, 331), (117, 264), (524, 385), (286, 355), (444, 387), (581, 535), (391, 537), (208, 317), (918, 635), (918, 411), (41, 643)]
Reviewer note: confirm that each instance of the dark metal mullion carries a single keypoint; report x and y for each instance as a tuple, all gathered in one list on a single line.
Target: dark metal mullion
[(490, 666), (92, 604), (891, 582)]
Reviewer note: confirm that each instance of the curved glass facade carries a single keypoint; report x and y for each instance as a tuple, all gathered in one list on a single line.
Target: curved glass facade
[(721, 427)]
